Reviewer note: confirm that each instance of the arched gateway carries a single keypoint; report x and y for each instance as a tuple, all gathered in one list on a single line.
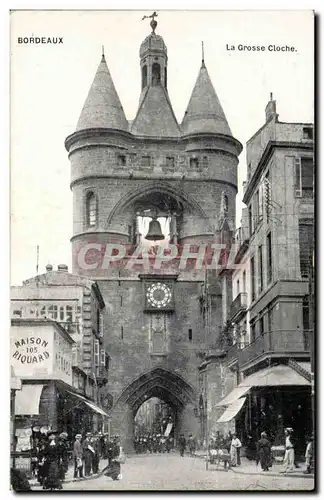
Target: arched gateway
[(165, 385), (176, 176)]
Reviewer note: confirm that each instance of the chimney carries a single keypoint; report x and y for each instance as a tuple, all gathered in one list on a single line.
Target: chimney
[(271, 111), (49, 268), (62, 268)]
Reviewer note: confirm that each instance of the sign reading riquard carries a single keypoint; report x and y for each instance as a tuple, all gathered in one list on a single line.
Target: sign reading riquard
[(31, 350)]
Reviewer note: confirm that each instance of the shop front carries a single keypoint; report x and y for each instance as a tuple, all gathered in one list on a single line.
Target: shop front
[(41, 356), (270, 400)]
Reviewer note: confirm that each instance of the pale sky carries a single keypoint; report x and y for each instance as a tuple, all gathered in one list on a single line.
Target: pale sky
[(49, 84)]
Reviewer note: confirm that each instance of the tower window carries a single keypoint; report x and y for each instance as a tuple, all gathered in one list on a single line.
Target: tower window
[(190, 334), (121, 160), (121, 332), (308, 133), (156, 74), (91, 207), (205, 161), (170, 161), (146, 161), (194, 163), (144, 77), (165, 78)]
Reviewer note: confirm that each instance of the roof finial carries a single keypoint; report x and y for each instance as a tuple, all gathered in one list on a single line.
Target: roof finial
[(103, 52), (202, 52), (271, 96), (153, 23)]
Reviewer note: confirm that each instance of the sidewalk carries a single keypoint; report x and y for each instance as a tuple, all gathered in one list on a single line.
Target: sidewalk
[(70, 473), (250, 467)]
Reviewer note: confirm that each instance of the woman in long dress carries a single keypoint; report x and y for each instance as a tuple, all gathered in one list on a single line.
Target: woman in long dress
[(289, 458), (234, 451), (264, 452), (53, 457), (115, 458)]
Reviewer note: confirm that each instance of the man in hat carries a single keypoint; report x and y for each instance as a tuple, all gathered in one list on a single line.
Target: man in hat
[(88, 453), (78, 456)]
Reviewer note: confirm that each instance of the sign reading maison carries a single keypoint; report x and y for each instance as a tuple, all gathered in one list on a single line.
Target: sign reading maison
[(31, 350)]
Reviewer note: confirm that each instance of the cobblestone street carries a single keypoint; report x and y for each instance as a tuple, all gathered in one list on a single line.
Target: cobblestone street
[(171, 472)]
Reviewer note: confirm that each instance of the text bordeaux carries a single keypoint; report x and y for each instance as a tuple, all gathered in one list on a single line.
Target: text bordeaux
[(32, 345), (42, 39)]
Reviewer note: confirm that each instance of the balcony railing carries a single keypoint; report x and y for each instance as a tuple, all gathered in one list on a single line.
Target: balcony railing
[(238, 306), (279, 342)]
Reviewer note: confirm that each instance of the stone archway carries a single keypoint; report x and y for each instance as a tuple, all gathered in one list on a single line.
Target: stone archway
[(158, 382)]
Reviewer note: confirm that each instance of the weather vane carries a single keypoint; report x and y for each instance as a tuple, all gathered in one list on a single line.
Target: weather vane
[(153, 23)]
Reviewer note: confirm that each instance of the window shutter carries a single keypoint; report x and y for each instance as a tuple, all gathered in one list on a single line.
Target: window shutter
[(96, 352), (101, 329), (298, 178), (102, 357)]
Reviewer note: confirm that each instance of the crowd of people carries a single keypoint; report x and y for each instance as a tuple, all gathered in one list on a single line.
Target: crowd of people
[(229, 447), (52, 454), (153, 443)]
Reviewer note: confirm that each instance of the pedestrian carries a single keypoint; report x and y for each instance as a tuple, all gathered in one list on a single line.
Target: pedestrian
[(212, 451), (53, 458), (115, 458), (309, 456), (163, 444), (169, 444), (41, 460), (182, 445), (78, 456), (250, 448), (94, 443), (235, 451), (289, 458), (88, 453), (264, 452), (191, 445), (64, 459)]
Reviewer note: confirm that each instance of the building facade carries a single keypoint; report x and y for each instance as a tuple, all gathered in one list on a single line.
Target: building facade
[(123, 172), (270, 312), (76, 306)]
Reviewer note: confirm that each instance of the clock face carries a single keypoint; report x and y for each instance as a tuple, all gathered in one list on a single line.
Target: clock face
[(159, 295)]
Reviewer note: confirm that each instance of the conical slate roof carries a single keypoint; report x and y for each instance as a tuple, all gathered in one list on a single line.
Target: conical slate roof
[(102, 108), (204, 112), (155, 116)]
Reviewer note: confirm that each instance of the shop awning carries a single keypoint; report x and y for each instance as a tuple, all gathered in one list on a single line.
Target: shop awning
[(232, 410), (27, 399), (90, 404), (233, 396), (276, 375)]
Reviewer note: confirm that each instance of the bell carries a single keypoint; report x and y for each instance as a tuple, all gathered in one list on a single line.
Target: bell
[(154, 231)]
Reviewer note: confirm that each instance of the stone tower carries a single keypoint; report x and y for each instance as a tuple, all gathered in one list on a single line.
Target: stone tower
[(152, 167)]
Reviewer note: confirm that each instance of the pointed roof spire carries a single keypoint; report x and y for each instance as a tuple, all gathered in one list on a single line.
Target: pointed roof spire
[(102, 107), (202, 54), (204, 112), (155, 116)]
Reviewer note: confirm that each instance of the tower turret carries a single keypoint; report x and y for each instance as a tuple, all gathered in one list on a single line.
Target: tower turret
[(102, 107), (155, 116), (204, 112)]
